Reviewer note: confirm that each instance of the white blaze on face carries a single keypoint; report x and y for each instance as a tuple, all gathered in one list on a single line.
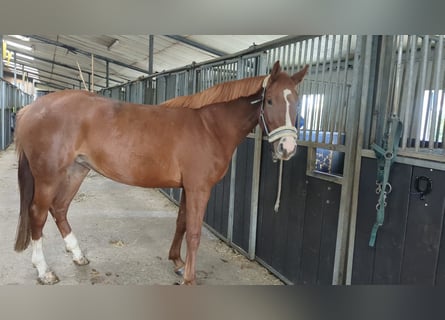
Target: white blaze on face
[(287, 92)]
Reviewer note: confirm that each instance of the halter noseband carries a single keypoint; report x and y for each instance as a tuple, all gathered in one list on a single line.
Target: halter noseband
[(280, 132)]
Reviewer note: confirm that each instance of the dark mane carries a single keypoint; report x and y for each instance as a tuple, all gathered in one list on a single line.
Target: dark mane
[(222, 92)]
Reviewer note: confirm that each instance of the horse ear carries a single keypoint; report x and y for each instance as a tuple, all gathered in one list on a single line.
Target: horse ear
[(300, 75), (276, 69)]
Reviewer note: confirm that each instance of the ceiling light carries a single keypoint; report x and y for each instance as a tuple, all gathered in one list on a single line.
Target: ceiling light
[(24, 56), (18, 45), (23, 38)]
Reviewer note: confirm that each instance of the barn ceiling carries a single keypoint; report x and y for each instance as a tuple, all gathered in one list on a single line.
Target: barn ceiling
[(54, 60)]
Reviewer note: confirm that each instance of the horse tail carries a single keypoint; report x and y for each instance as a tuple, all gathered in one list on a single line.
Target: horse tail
[(26, 187)]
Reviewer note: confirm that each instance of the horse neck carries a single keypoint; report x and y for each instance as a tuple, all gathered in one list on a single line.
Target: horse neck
[(232, 121)]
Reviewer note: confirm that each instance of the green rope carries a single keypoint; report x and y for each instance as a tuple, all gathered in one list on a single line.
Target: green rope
[(385, 157)]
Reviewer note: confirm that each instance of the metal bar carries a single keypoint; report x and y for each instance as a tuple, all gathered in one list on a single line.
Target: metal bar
[(398, 78), (255, 193), (232, 198), (421, 90), (197, 45), (340, 260), (337, 104), (327, 86), (86, 53), (256, 171), (366, 90), (2, 98), (437, 85), (410, 91), (150, 53), (343, 104), (107, 74)]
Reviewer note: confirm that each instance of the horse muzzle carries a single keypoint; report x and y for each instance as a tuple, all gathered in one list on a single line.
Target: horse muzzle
[(284, 140), (286, 148)]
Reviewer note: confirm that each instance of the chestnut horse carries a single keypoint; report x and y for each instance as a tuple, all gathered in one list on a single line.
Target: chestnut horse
[(185, 142)]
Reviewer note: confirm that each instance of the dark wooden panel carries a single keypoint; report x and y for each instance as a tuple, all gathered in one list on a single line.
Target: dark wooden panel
[(423, 235), (391, 236), (363, 263), (315, 207), (331, 202), (381, 264), (243, 192), (294, 204), (266, 200), (218, 207)]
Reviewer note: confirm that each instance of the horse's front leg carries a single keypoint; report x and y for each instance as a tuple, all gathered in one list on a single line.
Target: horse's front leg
[(175, 249), (195, 210)]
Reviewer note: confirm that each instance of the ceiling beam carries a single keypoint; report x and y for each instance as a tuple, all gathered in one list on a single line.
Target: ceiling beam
[(197, 45), (77, 50), (66, 66)]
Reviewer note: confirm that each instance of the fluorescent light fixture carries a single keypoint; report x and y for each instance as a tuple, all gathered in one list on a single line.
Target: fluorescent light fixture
[(18, 45), (19, 67), (24, 56), (23, 38)]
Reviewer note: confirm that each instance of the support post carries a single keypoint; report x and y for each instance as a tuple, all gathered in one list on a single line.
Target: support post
[(2, 98), (107, 76), (341, 251), (150, 53)]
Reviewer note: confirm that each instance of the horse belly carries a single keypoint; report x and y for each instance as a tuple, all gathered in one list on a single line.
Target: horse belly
[(149, 173)]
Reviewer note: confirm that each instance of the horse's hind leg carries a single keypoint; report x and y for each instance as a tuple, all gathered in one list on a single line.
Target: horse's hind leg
[(38, 214), (68, 187), (175, 249)]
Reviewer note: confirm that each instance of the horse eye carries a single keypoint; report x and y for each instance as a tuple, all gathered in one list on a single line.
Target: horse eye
[(269, 101)]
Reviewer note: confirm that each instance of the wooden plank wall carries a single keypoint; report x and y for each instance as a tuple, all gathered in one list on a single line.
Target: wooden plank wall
[(410, 245)]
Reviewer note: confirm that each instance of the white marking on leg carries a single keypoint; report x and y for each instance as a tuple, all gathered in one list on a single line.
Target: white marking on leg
[(38, 259), (72, 245)]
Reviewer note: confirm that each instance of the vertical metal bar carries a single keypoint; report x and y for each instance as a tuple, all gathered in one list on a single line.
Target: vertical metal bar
[(442, 104), (2, 98), (344, 94), (329, 127), (398, 78), (421, 90), (339, 88), (256, 178), (410, 91), (317, 87), (327, 86), (107, 74), (340, 261), (356, 180), (15, 68), (232, 198), (438, 68), (150, 53)]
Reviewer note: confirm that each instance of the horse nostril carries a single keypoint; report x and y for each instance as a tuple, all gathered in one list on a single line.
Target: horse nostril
[(280, 148)]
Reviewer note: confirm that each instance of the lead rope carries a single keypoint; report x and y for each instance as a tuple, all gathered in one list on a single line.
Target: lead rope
[(280, 180)]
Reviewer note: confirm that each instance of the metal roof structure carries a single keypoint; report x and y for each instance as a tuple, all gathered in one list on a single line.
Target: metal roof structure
[(54, 61)]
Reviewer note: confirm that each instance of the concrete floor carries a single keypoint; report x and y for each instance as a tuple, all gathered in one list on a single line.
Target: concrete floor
[(124, 231)]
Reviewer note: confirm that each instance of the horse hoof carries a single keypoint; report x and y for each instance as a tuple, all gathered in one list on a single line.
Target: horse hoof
[(178, 283), (83, 261), (180, 271), (48, 278)]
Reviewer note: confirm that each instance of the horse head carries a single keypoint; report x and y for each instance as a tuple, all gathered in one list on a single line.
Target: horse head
[(279, 110)]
